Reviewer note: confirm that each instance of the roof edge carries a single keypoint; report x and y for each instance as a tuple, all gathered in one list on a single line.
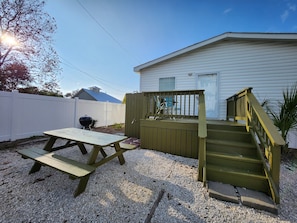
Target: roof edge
[(235, 35)]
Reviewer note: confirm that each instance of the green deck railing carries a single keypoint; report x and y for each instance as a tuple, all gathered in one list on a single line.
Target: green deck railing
[(172, 104), (245, 106)]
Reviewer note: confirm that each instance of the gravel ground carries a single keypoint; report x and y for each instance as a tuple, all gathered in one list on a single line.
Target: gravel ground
[(126, 193)]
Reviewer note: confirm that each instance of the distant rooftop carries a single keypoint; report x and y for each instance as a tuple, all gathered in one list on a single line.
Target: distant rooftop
[(96, 95)]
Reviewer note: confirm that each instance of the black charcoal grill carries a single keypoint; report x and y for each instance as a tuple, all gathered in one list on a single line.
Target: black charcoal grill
[(86, 122)]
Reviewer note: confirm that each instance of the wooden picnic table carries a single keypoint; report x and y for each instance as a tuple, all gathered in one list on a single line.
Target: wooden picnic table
[(77, 137)]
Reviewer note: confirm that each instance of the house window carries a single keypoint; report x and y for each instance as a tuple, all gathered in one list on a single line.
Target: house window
[(167, 84)]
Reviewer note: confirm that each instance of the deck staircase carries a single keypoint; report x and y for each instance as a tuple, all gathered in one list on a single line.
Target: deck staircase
[(231, 158), (241, 163), (232, 161)]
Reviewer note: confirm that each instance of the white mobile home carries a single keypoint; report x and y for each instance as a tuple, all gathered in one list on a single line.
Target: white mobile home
[(224, 65)]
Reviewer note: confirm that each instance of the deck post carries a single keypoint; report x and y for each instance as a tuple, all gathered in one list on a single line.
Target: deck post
[(202, 160), (202, 134)]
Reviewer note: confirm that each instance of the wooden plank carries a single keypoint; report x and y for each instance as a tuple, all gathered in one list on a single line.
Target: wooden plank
[(120, 153), (136, 107), (188, 149), (86, 136), (202, 128), (108, 158), (63, 164), (164, 140), (177, 143), (82, 185), (71, 166), (32, 152), (154, 138), (184, 145), (170, 141), (67, 145), (170, 136)]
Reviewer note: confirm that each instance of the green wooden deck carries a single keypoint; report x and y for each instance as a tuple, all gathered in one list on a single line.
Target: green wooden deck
[(174, 136), (221, 146)]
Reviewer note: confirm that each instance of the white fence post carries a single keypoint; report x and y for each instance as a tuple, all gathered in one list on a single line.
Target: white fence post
[(76, 112), (14, 115), (106, 114)]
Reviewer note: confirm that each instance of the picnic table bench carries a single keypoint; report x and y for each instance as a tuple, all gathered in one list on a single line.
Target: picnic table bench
[(73, 168)]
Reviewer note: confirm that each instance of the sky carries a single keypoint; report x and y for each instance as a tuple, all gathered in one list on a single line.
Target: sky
[(99, 42)]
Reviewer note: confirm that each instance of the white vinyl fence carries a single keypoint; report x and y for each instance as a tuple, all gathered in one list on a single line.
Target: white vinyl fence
[(26, 115)]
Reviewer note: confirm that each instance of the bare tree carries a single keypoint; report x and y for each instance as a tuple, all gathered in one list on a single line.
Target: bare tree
[(26, 38)]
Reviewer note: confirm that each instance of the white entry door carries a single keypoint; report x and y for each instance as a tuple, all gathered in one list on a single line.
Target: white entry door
[(208, 83)]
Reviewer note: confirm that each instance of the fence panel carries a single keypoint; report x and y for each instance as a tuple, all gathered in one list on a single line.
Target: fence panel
[(5, 115), (25, 115), (33, 114)]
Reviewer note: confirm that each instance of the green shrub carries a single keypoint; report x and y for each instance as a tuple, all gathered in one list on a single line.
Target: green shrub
[(284, 115)]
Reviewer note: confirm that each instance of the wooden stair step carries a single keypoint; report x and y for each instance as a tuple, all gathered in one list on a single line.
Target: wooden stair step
[(227, 126), (241, 136), (235, 161), (228, 131), (230, 143), (238, 177), (232, 147), (237, 157), (235, 171)]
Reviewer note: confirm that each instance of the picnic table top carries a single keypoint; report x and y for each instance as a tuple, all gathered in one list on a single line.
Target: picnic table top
[(86, 136)]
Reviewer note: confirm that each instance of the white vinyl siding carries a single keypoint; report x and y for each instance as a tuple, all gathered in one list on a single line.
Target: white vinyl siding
[(268, 67)]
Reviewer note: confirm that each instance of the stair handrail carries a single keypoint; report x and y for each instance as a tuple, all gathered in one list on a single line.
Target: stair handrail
[(254, 108), (202, 134), (245, 106), (270, 140)]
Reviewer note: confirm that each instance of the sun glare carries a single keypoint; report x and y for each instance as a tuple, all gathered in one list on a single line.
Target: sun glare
[(8, 40)]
